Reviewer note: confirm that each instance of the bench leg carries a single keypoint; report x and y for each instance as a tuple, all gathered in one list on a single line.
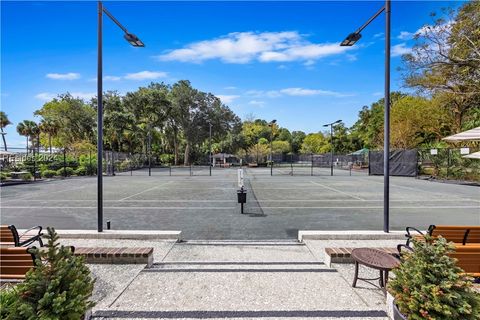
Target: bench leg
[(355, 278)]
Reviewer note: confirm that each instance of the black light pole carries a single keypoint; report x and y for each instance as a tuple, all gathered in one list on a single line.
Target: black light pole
[(350, 41), (331, 142), (134, 41), (271, 145), (210, 147)]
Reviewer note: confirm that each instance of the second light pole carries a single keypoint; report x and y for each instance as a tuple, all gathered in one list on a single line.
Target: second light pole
[(331, 142), (134, 41)]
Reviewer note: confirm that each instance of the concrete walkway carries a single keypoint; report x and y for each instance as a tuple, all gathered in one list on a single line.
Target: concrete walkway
[(235, 280)]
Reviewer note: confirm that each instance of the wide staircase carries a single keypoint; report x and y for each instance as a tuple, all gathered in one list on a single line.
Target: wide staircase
[(239, 280)]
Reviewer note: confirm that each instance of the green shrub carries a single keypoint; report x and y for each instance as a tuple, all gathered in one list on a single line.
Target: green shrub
[(167, 159), (429, 285), (69, 171), (4, 175), (8, 296), (81, 171), (26, 176), (48, 173), (59, 287)]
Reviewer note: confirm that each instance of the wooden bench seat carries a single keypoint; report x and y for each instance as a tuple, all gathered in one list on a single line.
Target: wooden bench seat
[(343, 255), (15, 262), (9, 236), (119, 255), (458, 234)]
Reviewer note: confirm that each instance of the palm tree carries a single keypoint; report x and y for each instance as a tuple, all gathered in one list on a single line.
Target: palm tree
[(51, 128), (28, 129), (3, 123)]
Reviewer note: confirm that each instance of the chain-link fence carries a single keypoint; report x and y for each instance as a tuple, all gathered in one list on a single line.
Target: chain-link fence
[(449, 163)]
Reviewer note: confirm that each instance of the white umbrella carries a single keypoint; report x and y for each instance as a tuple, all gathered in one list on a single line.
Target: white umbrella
[(475, 155), (469, 135)]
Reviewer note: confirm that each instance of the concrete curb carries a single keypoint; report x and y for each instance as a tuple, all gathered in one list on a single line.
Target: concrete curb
[(121, 234), (349, 235)]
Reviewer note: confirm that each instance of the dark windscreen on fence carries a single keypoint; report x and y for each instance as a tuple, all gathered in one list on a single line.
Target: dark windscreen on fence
[(402, 163)]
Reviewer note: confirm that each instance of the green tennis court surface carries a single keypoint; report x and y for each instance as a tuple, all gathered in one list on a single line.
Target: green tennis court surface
[(204, 207)]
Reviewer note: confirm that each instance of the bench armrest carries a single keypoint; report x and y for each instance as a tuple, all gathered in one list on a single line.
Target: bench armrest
[(32, 239), (409, 234)]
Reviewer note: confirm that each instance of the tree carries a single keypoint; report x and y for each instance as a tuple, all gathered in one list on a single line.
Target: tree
[(315, 143), (416, 121), (445, 60), (28, 129), (50, 128), (297, 140), (4, 121), (76, 119), (279, 146)]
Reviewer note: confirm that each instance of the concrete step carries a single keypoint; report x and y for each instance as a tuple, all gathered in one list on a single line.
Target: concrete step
[(237, 266)]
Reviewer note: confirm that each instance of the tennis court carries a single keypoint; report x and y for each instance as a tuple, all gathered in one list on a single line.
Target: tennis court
[(204, 207)]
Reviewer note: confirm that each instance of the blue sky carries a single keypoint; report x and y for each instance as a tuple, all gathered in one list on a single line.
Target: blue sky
[(275, 60)]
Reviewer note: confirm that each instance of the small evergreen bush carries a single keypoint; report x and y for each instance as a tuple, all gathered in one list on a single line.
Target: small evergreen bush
[(26, 176), (48, 173), (81, 171), (58, 288), (428, 285), (69, 171)]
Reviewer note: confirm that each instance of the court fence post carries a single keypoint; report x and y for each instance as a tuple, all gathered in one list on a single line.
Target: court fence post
[(64, 163), (311, 162), (131, 164), (448, 161), (191, 169), (170, 169), (291, 164), (90, 162), (34, 166)]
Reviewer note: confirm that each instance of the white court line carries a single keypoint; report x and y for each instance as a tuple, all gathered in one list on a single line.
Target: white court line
[(230, 200), (333, 189), (136, 194), (379, 207), (126, 208), (417, 190), (231, 208), (44, 193)]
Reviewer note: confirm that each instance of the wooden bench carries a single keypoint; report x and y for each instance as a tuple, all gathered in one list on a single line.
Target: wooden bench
[(457, 234), (15, 262), (108, 255), (468, 257), (344, 255), (9, 236)]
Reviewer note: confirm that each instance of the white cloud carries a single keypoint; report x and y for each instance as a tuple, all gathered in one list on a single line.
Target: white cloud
[(63, 76), (111, 78), (295, 92), (400, 49), (378, 94), (378, 35), (405, 35), (227, 98), (47, 96), (230, 88), (245, 47), (145, 75), (257, 103), (310, 92)]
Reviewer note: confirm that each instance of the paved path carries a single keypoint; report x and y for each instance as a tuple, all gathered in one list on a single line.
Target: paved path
[(235, 280)]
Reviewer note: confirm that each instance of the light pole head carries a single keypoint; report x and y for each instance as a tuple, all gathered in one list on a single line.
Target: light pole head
[(133, 40), (338, 121), (351, 39)]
